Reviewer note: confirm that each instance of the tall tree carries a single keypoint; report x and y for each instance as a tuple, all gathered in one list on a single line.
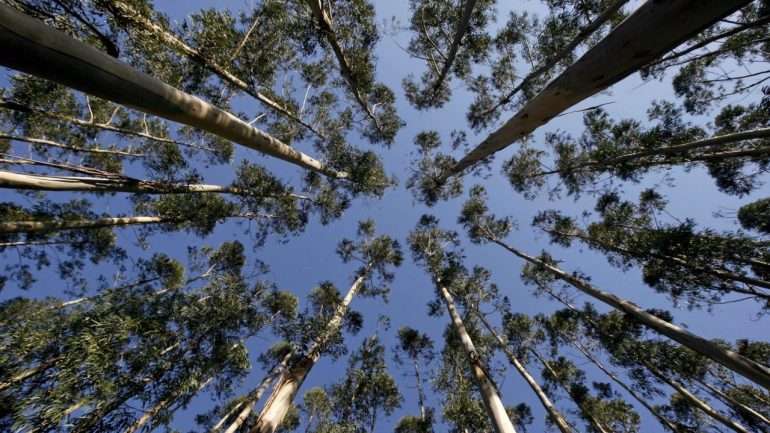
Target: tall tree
[(416, 348)]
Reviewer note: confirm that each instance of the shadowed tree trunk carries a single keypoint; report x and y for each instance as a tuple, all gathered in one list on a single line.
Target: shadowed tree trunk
[(652, 30), (460, 31), (736, 405), (30, 46)]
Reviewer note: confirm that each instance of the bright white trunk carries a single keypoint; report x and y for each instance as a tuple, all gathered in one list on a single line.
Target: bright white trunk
[(276, 407), (747, 368), (51, 143), (492, 401), (653, 29), (28, 45), (734, 403)]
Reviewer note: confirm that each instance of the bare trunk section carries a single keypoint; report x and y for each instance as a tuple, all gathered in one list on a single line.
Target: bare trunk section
[(665, 422), (161, 405), (653, 29), (564, 52), (594, 422), (462, 29), (553, 413), (736, 405), (254, 396), (102, 184), (26, 374), (48, 226), (276, 407), (695, 401), (747, 368), (420, 392), (327, 28), (492, 401), (51, 143), (125, 11), (30, 46)]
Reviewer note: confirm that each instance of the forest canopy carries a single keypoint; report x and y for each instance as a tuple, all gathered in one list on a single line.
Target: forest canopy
[(357, 216)]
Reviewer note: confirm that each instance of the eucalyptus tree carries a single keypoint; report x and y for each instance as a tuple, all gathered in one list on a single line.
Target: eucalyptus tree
[(87, 363), (437, 251), (451, 38), (484, 227), (735, 152), (416, 348), (376, 256), (642, 29), (690, 264)]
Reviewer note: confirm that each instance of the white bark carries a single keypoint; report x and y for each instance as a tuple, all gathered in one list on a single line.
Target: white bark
[(30, 46), (653, 29), (51, 143), (492, 401), (747, 368), (276, 407), (734, 403), (553, 413)]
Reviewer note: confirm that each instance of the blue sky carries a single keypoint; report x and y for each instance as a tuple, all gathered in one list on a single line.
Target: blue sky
[(309, 258)]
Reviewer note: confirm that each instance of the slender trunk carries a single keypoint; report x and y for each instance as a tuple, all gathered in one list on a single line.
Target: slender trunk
[(682, 261), (159, 406), (598, 426), (736, 405), (327, 28), (665, 422), (126, 12), (30, 46), (51, 143), (492, 401), (748, 368), (218, 426), (420, 392), (460, 31), (553, 413), (254, 396), (53, 225), (653, 29), (26, 374), (695, 401), (276, 407), (102, 184), (668, 150), (559, 56)]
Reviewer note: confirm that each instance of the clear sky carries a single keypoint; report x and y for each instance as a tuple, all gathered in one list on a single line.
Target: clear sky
[(305, 260)]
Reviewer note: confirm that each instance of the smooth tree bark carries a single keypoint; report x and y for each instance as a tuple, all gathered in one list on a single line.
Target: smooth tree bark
[(489, 395), (695, 401), (155, 410), (746, 367), (598, 426), (103, 184), (30, 46), (125, 11), (284, 391), (76, 149), (653, 29), (553, 413), (665, 422), (736, 405)]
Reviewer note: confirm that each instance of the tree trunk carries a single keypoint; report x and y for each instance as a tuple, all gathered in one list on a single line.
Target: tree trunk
[(30, 46), (494, 405), (102, 184), (327, 28), (51, 143), (126, 12), (553, 413), (255, 395), (695, 401), (599, 427), (420, 392), (276, 407), (161, 405), (653, 29), (665, 422), (736, 405), (751, 370), (54, 225), (460, 31), (26, 374)]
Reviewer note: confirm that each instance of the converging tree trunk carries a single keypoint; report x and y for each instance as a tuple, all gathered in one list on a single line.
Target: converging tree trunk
[(460, 31), (747, 368), (553, 413), (736, 405), (652, 30), (30, 46), (492, 401)]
